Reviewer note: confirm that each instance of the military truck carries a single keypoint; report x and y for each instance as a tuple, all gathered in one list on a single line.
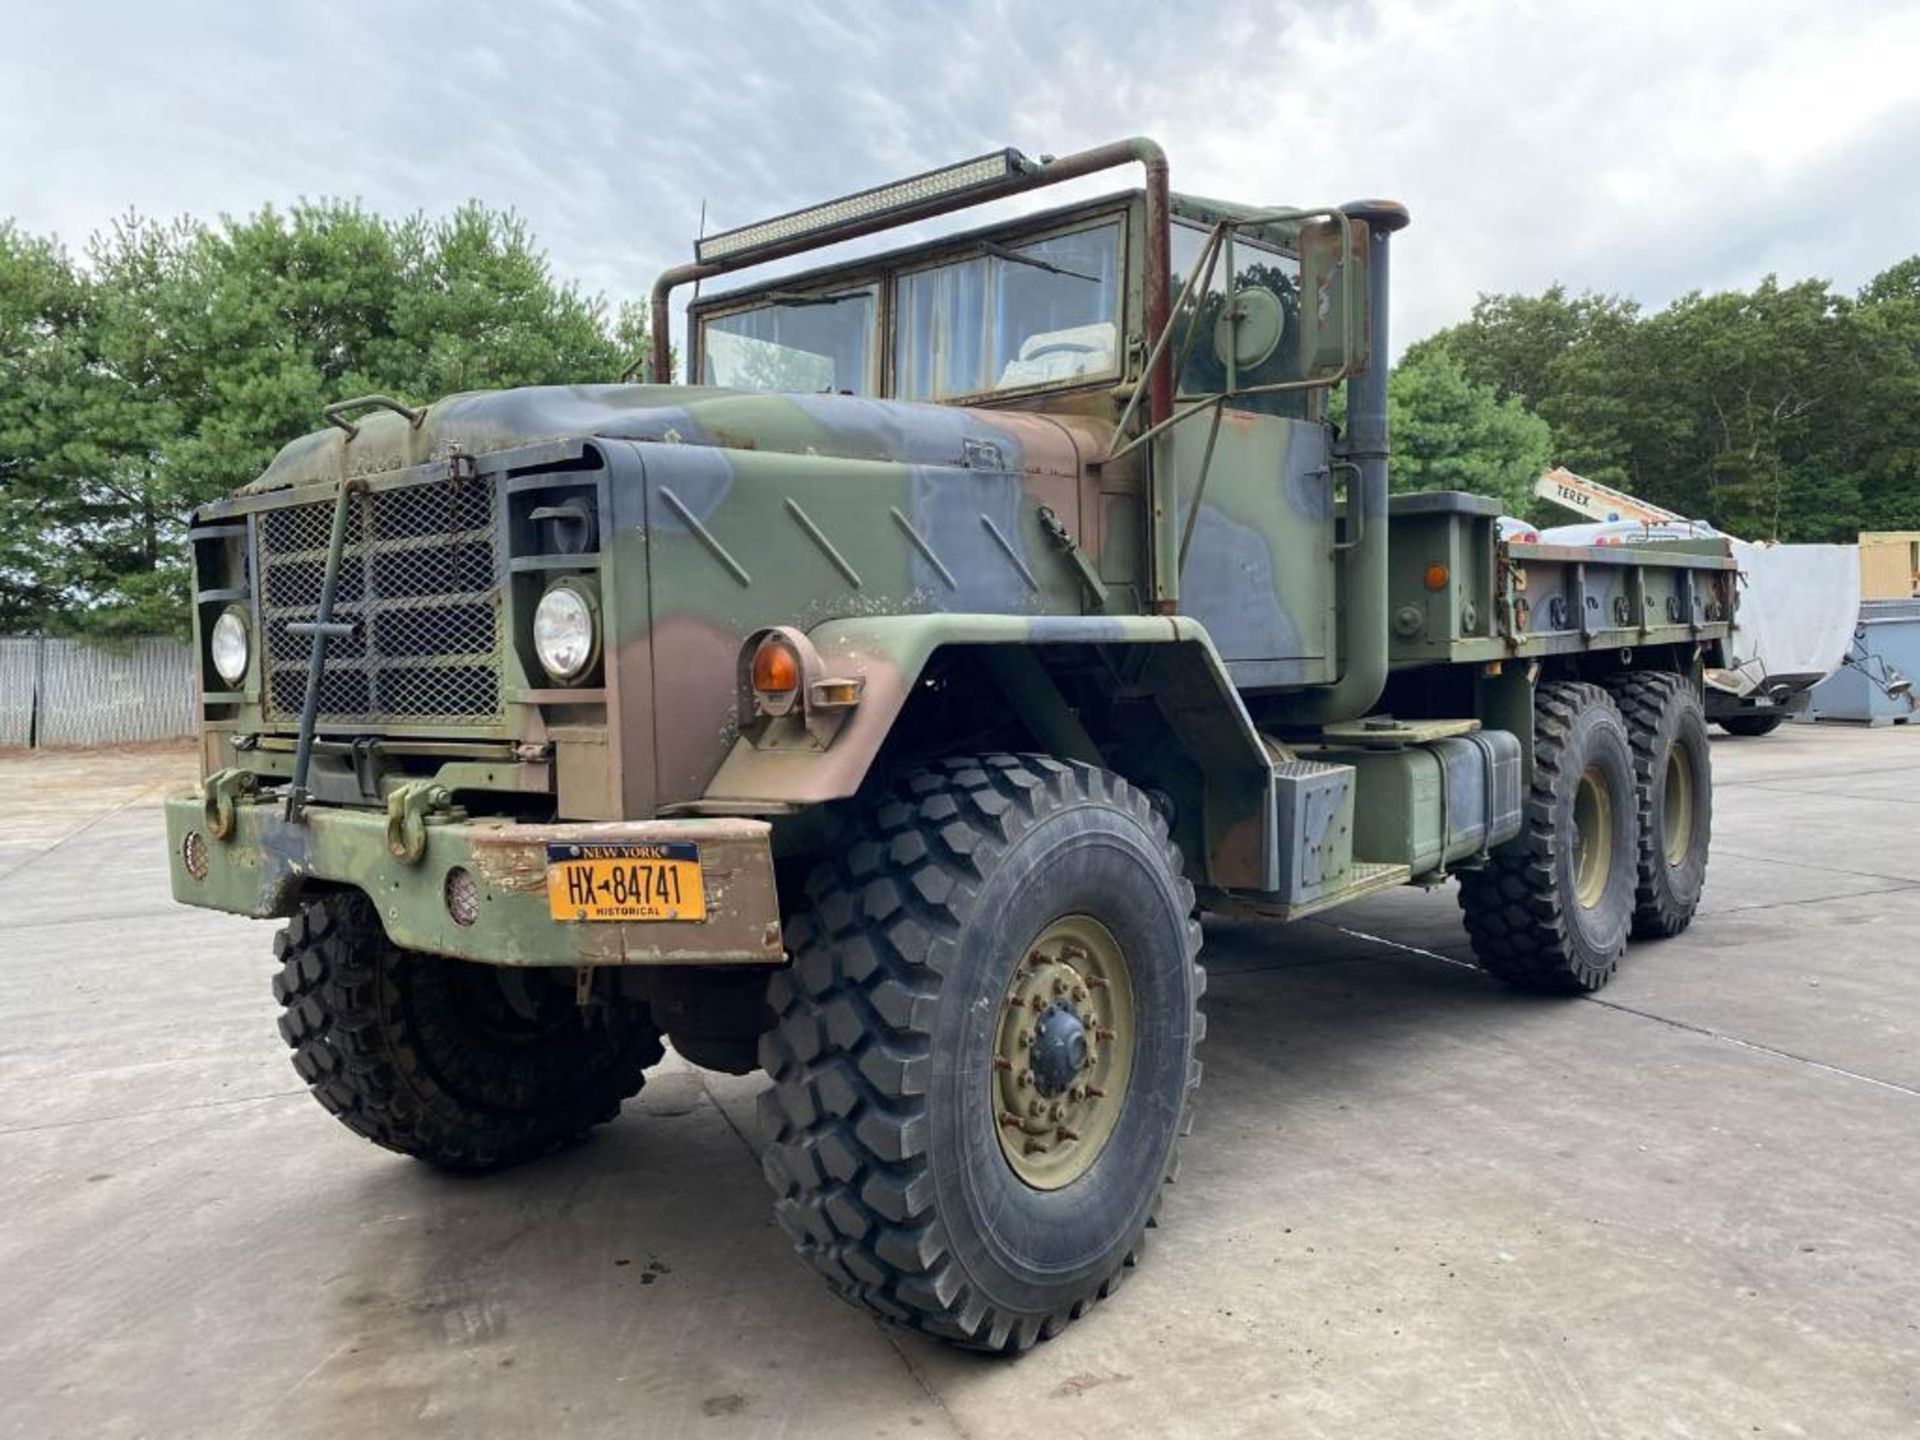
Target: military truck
[(883, 708)]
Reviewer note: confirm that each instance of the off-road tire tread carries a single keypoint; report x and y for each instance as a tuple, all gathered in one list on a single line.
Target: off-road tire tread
[(1643, 697), (1515, 915), (343, 1018), (844, 1121)]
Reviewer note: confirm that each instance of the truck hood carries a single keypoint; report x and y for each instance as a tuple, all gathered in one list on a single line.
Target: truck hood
[(845, 426)]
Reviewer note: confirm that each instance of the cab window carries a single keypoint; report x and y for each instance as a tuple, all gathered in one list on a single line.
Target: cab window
[(1255, 267), (803, 343), (1041, 313)]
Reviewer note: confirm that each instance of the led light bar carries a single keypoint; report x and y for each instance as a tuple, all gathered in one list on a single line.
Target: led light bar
[(984, 173)]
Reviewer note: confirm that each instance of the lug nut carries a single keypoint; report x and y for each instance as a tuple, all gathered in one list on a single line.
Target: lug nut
[(1080, 992), (1036, 1108), (1025, 1078)]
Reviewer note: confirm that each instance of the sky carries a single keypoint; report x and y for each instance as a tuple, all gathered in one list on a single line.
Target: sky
[(1641, 149)]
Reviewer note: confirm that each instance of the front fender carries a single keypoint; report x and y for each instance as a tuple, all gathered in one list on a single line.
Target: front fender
[(1227, 827)]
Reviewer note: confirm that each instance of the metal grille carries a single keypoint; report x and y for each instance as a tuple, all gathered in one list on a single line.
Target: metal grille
[(420, 578)]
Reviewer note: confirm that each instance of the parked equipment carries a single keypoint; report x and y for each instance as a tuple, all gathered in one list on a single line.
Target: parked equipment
[(1875, 685)]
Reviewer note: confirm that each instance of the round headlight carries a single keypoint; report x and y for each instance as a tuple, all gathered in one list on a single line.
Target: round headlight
[(229, 646), (563, 632)]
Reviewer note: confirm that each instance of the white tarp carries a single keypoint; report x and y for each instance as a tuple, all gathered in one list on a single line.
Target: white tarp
[(1799, 605)]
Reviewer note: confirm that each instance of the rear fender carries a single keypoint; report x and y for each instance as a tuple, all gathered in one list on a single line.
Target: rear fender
[(1192, 739)]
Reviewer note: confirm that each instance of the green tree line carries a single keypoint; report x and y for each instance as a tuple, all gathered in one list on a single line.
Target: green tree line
[(166, 364), (1788, 412)]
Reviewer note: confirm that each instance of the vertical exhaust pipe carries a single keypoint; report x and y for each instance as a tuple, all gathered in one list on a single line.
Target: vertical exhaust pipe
[(1363, 567)]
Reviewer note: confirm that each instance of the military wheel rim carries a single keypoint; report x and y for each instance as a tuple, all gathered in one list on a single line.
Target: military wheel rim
[(1063, 1052), (1676, 817), (1592, 838)]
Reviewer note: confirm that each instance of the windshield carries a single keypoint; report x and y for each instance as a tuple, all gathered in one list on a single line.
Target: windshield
[(806, 343), (1020, 315)]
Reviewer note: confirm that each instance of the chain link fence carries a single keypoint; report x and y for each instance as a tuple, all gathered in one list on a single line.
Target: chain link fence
[(66, 692)]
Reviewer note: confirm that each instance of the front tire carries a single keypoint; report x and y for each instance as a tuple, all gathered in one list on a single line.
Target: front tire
[(1751, 727), (455, 1063), (964, 898), (1551, 909)]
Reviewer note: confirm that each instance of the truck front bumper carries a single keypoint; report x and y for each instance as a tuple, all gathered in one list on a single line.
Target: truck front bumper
[(265, 861)]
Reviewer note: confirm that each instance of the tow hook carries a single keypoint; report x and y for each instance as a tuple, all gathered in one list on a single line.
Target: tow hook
[(220, 793), (408, 809)]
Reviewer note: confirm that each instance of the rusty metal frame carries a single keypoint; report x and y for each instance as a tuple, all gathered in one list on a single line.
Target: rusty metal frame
[(1157, 281)]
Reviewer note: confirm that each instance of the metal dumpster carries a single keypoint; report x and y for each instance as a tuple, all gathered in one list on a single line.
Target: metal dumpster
[(1874, 685)]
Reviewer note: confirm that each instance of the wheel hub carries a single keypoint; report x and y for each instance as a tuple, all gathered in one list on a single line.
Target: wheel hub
[(1063, 1052), (1592, 838), (1059, 1048), (1676, 830)]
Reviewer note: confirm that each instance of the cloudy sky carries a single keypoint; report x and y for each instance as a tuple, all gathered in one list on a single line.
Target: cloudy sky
[(1639, 148)]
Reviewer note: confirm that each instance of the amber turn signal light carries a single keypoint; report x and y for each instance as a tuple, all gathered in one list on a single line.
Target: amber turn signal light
[(1436, 577), (775, 673)]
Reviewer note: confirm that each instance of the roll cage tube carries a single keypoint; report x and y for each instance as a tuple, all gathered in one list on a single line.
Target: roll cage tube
[(1157, 282)]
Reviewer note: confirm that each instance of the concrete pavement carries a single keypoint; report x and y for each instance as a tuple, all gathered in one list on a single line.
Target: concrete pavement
[(1413, 1205)]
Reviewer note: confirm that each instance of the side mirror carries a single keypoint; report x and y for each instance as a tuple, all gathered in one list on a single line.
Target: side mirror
[(1335, 318)]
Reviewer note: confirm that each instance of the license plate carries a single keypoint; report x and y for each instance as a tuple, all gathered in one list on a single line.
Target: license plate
[(625, 882)]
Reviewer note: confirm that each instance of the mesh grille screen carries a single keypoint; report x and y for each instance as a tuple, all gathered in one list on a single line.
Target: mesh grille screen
[(420, 578)]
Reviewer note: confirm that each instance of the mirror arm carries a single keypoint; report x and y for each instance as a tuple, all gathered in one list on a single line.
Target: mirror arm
[(1209, 253), (1233, 348)]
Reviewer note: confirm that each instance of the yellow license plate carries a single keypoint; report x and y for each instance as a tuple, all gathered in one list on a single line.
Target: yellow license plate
[(625, 882)]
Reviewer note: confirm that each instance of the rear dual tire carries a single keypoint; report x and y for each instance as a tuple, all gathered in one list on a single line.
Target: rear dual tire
[(1617, 823), (1673, 789), (1552, 909)]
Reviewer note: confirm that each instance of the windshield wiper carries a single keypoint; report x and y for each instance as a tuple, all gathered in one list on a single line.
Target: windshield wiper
[(1001, 252), (799, 301)]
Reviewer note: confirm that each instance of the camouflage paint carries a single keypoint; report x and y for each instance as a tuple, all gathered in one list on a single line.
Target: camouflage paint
[(1260, 566), (886, 532)]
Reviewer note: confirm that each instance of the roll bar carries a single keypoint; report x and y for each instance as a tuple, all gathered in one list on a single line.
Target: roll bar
[(1145, 152)]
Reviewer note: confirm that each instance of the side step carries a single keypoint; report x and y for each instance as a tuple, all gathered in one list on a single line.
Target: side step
[(1363, 878)]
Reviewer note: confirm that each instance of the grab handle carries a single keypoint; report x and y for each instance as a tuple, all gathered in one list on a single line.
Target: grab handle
[(335, 414)]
